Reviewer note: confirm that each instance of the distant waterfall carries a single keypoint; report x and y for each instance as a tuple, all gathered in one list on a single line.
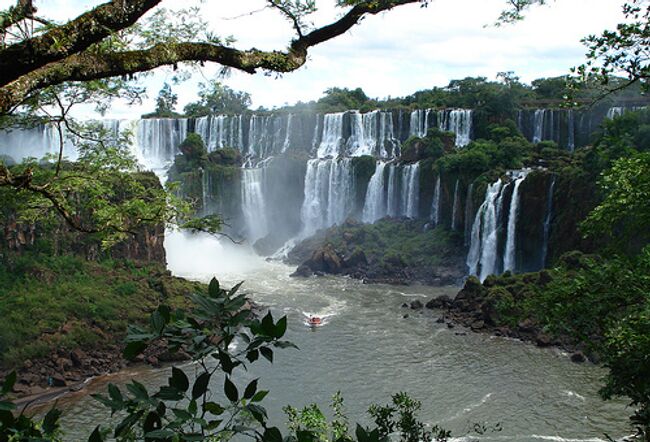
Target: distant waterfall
[(547, 221), (158, 138), (458, 121), (483, 257), (253, 206), (332, 138), (538, 131), (419, 122), (456, 207), (375, 204), (392, 198), (509, 261), (205, 192), (435, 204), (411, 189), (328, 194), (219, 131), (571, 141)]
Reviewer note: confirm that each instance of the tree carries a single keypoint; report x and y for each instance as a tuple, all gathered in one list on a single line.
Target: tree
[(166, 102), (216, 98)]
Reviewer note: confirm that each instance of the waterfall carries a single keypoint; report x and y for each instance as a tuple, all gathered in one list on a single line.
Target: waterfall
[(538, 125), (332, 137), (454, 212), (411, 190), (253, 206), (287, 138), (468, 214), (458, 121), (205, 192), (158, 138), (375, 204), (509, 258), (435, 204), (615, 111), (419, 123), (392, 198), (219, 131), (328, 194), (482, 255), (547, 221), (371, 134)]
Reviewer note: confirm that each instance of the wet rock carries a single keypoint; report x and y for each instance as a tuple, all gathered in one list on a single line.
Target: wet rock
[(78, 357), (460, 334), (57, 380), (450, 325), (526, 326), (416, 305), (578, 357), (477, 325), (440, 320), (405, 305), (543, 340), (64, 364), (440, 302), (405, 316), (356, 259), (302, 271)]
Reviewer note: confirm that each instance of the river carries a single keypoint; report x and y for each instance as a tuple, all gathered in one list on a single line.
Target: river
[(369, 350)]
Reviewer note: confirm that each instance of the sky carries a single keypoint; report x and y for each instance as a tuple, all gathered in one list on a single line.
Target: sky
[(392, 54)]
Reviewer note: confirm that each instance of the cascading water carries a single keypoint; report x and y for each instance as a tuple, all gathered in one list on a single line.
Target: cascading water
[(411, 189), (538, 125), (328, 194), (253, 206), (509, 258), (332, 137), (484, 253), (458, 121), (219, 131), (456, 207), (547, 221), (375, 204), (392, 198), (435, 204), (289, 131), (419, 123)]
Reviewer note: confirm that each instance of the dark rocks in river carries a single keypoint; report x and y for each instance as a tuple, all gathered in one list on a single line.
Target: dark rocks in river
[(440, 302), (417, 305)]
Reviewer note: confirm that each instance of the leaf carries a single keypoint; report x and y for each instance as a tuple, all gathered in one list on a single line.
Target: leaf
[(272, 434), (231, 391), (267, 326), (235, 289), (96, 435), (138, 390), (157, 322), (9, 382), (115, 393), (159, 434), (285, 344), (179, 380), (165, 312), (226, 362), (126, 424), (361, 433), (267, 353), (252, 355), (213, 408), (258, 412), (51, 421), (193, 408), (251, 389), (167, 393), (259, 396), (133, 349), (200, 385), (280, 328), (183, 415), (213, 289)]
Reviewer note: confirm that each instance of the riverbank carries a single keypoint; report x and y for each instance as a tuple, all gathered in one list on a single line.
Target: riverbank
[(65, 317)]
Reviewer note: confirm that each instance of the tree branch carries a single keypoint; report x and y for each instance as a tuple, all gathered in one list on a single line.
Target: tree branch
[(70, 38), (88, 66)]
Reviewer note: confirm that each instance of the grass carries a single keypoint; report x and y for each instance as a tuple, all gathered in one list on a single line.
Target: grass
[(66, 302)]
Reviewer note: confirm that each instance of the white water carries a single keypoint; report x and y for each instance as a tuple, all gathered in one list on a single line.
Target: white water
[(392, 199), (458, 121), (375, 205), (253, 206), (547, 221), (468, 214), (332, 138), (509, 258), (328, 194), (435, 204), (411, 189), (456, 207)]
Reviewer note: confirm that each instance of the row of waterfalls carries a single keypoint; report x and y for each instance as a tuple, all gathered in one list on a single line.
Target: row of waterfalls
[(289, 196)]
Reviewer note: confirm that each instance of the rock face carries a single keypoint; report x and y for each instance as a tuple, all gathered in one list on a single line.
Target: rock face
[(146, 245), (391, 251)]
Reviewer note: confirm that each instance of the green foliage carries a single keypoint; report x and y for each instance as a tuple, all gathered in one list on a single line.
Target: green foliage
[(216, 98), (193, 149), (165, 104), (226, 156), (43, 293), (623, 217), (341, 99)]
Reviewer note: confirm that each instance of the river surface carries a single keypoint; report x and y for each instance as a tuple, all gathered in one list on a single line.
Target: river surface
[(368, 350)]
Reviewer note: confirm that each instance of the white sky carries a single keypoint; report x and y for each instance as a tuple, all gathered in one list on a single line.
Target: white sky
[(393, 54)]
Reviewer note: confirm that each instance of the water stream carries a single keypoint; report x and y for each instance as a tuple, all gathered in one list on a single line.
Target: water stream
[(368, 350)]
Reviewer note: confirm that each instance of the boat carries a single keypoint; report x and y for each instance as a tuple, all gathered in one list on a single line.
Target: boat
[(314, 321)]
